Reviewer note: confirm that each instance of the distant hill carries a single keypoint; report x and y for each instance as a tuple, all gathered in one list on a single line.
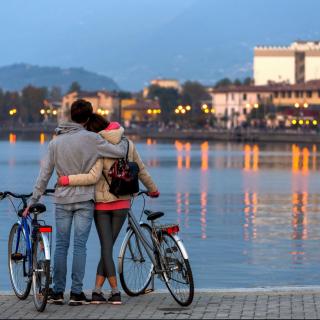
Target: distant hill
[(17, 76)]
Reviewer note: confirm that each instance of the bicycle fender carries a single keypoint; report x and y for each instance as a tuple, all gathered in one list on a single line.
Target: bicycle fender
[(181, 246), (46, 244)]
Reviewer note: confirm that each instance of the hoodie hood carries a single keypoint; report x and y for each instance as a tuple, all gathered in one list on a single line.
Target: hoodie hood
[(113, 133), (68, 127)]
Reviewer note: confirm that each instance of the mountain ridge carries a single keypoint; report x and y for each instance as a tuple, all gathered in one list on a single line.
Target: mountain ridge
[(18, 75)]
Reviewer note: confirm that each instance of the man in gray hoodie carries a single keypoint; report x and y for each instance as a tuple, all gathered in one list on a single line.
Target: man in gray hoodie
[(74, 150)]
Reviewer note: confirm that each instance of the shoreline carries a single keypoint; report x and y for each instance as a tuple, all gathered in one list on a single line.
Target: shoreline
[(248, 136)]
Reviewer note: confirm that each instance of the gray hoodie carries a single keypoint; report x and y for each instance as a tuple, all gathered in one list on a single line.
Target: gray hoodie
[(74, 150)]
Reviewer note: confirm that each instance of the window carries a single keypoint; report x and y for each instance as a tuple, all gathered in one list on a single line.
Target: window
[(244, 111), (258, 96), (283, 94), (297, 94), (276, 94), (232, 96), (289, 94), (318, 93), (309, 94), (244, 96)]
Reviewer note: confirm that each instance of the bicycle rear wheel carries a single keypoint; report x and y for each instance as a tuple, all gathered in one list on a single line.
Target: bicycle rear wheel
[(19, 262), (41, 274), (134, 263), (178, 275)]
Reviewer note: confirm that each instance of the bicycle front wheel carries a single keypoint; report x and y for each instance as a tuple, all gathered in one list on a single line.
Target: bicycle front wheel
[(19, 262), (135, 265), (177, 275), (41, 274)]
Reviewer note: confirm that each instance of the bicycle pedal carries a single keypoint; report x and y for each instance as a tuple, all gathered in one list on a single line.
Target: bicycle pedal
[(17, 256)]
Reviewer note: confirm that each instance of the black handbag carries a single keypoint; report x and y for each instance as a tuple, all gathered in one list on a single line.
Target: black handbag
[(124, 176)]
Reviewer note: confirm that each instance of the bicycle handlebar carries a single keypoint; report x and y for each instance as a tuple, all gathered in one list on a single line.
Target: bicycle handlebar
[(22, 196)]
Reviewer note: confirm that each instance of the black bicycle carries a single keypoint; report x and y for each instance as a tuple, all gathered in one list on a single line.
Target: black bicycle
[(150, 249)]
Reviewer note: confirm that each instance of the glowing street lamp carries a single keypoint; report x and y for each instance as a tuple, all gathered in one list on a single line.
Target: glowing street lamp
[(305, 105), (188, 108), (296, 105)]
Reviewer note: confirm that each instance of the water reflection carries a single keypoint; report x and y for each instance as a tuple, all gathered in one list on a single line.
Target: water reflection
[(249, 212)]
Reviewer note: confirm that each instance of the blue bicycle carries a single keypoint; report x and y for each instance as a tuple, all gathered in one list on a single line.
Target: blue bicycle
[(29, 251)]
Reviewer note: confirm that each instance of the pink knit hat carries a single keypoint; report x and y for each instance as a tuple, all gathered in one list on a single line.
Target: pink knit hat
[(113, 126)]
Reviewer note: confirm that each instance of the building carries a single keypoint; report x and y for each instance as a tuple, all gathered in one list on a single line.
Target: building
[(232, 104), (297, 63), (103, 102), (139, 111), (163, 83)]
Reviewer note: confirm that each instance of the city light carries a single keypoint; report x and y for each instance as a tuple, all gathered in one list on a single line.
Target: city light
[(300, 121), (54, 112), (314, 122), (102, 112), (182, 109), (307, 122), (153, 111), (305, 105), (256, 105), (204, 107), (42, 111), (12, 112), (296, 105), (294, 122)]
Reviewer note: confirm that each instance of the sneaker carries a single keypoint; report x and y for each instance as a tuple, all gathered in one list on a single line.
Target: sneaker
[(78, 299), (115, 298), (98, 298), (55, 298)]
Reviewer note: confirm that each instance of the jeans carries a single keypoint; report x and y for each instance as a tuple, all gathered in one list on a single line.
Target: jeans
[(81, 214)]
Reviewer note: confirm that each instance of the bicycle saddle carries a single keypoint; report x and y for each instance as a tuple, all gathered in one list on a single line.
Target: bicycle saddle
[(153, 215), (37, 208)]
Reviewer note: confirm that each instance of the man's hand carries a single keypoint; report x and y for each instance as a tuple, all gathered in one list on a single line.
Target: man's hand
[(154, 194), (26, 211)]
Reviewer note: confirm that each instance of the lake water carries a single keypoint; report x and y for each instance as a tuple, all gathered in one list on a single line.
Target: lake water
[(249, 213)]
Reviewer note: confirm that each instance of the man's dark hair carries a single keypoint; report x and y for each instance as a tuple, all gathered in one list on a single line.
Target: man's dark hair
[(81, 110), (97, 123)]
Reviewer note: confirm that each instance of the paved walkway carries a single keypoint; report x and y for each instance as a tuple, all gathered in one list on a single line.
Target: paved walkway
[(263, 304)]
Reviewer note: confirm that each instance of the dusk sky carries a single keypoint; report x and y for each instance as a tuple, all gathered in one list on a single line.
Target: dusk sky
[(133, 41)]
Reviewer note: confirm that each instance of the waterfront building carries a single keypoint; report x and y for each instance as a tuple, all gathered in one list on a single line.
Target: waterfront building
[(163, 83), (233, 104), (140, 111), (297, 63), (299, 102), (103, 102)]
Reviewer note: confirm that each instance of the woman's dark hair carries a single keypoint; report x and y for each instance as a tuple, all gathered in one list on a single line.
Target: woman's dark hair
[(97, 123), (81, 110)]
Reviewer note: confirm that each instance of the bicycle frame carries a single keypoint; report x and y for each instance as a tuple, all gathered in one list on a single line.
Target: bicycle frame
[(25, 228)]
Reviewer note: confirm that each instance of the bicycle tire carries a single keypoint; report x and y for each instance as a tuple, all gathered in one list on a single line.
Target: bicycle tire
[(174, 256), (19, 277), (130, 240), (40, 279)]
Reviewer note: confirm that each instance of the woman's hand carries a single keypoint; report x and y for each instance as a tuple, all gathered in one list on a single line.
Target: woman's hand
[(63, 181), (154, 194)]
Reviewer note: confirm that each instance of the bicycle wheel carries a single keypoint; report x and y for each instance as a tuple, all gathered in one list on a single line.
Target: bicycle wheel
[(135, 265), (41, 274), (178, 275), (19, 262)]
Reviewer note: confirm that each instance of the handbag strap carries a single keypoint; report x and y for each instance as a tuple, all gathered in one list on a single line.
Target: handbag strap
[(127, 155)]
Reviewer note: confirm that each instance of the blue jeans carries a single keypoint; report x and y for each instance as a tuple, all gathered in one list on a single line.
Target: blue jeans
[(81, 214)]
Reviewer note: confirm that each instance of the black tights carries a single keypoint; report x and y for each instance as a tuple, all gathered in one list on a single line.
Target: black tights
[(108, 224)]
